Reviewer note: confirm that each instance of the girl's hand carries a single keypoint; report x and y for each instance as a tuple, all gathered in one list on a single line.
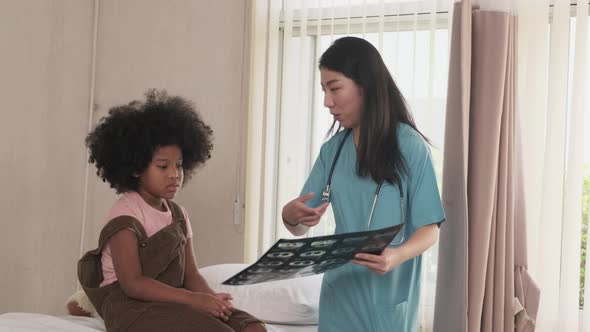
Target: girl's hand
[(296, 212), (215, 305), (389, 259), (226, 298)]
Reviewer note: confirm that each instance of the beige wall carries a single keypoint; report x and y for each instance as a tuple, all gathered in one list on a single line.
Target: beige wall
[(192, 48)]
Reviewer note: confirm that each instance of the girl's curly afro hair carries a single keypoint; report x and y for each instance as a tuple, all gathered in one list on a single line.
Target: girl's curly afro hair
[(124, 141)]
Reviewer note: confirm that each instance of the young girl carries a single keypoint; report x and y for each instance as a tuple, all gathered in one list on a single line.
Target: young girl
[(143, 275), (382, 176)]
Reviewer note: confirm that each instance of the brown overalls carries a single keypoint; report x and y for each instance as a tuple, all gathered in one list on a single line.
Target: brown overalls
[(162, 258)]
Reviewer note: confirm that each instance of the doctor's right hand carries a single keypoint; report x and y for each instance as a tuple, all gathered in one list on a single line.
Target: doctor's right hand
[(297, 213)]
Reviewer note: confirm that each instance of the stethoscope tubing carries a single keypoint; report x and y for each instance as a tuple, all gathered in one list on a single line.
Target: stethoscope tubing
[(327, 191)]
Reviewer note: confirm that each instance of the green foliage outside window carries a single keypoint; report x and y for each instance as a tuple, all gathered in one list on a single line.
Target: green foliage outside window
[(585, 207)]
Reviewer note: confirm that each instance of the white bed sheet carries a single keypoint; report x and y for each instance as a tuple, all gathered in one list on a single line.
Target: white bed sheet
[(31, 322), (291, 328)]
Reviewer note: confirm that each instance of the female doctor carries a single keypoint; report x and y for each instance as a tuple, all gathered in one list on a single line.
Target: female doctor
[(376, 172)]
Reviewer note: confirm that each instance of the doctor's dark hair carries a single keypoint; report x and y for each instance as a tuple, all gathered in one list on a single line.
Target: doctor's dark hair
[(123, 142), (379, 154)]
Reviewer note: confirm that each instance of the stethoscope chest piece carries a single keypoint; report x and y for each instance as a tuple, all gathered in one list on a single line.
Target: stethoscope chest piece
[(326, 194)]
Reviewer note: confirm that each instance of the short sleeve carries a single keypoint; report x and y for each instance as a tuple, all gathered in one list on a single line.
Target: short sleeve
[(424, 203), (123, 208), (316, 180)]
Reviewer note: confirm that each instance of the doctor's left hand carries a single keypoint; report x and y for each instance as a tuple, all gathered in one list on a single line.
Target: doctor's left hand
[(389, 259)]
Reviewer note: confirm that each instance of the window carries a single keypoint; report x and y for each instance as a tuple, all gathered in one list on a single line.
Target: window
[(586, 158)]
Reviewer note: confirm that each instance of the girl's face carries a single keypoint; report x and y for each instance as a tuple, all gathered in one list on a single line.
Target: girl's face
[(163, 176), (343, 97)]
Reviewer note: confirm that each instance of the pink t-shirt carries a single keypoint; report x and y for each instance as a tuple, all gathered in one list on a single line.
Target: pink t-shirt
[(152, 220)]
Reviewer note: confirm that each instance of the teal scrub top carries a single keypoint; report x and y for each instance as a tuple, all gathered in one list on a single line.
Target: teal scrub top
[(353, 298)]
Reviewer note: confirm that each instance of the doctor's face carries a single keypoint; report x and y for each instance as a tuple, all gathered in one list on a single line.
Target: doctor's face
[(343, 97)]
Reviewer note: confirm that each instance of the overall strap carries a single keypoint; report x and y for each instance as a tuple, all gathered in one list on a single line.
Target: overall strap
[(90, 266), (177, 215), (117, 224)]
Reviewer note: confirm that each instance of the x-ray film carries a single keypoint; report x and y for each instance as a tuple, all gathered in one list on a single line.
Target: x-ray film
[(295, 258)]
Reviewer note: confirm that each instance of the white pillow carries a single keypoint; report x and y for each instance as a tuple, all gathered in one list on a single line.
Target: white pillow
[(292, 301)]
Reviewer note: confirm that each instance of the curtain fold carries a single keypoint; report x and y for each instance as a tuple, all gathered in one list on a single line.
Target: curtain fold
[(452, 260), (491, 171), (481, 177)]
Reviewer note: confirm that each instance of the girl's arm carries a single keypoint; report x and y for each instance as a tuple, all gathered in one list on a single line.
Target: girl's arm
[(129, 274), (193, 280)]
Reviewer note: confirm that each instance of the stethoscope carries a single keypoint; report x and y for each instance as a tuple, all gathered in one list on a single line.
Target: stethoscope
[(327, 190)]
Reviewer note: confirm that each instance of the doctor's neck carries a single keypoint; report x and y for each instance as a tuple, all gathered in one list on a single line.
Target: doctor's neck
[(355, 134)]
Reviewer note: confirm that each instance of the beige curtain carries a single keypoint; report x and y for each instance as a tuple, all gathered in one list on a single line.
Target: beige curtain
[(484, 240)]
